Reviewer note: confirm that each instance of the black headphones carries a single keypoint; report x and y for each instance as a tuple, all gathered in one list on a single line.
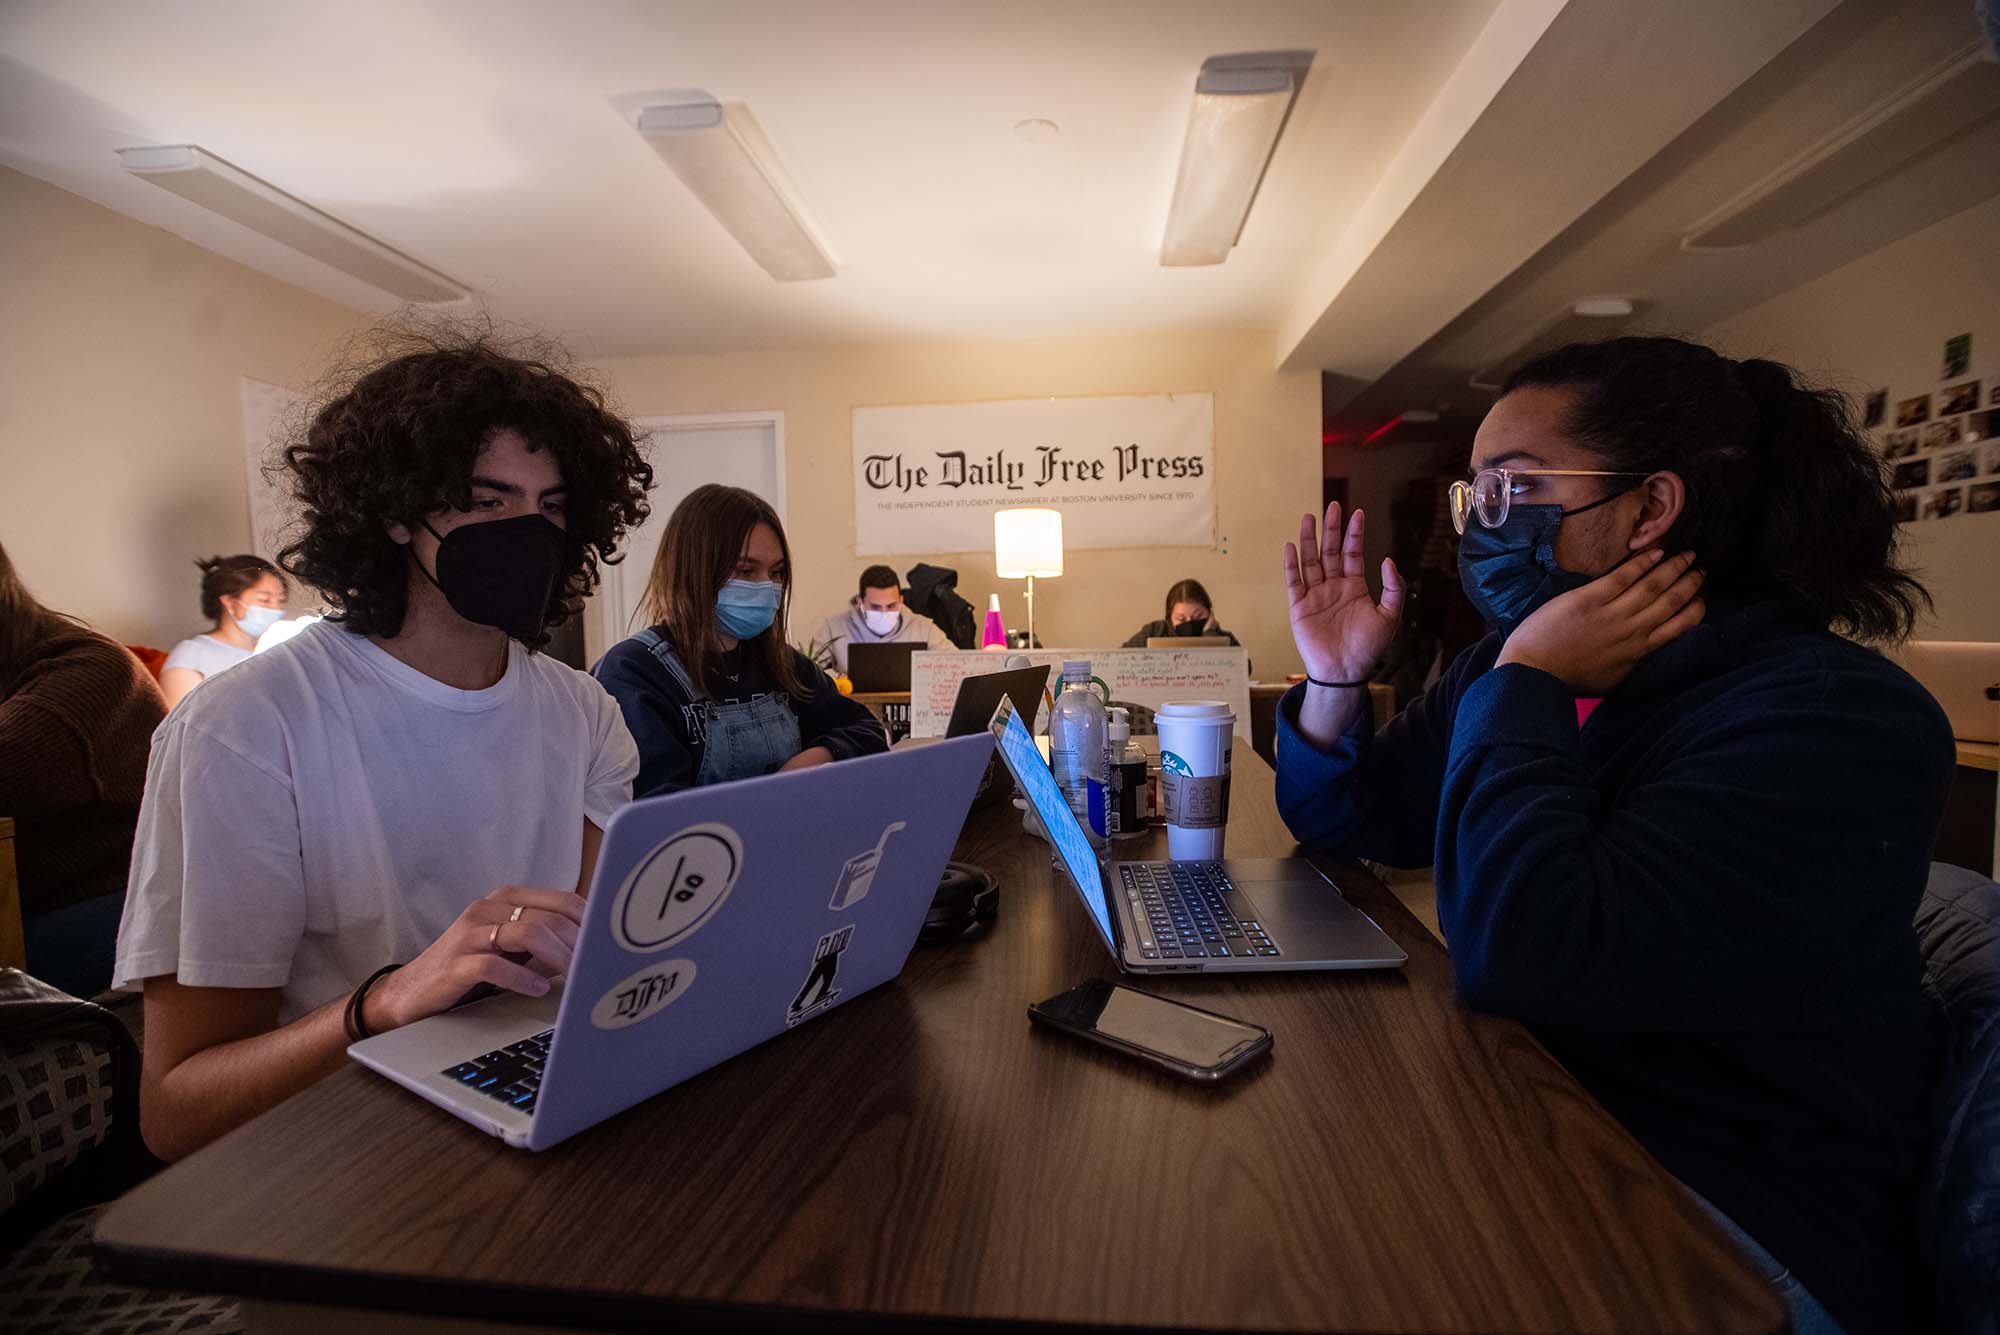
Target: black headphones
[(967, 898)]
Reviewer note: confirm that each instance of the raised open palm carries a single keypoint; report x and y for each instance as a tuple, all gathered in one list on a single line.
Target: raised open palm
[(1341, 631)]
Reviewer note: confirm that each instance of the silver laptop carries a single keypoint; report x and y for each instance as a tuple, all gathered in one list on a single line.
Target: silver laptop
[(1231, 916), (1964, 677), (717, 918)]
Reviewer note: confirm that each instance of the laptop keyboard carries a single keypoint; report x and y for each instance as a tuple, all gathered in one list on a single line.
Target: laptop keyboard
[(1182, 912), (512, 1074)]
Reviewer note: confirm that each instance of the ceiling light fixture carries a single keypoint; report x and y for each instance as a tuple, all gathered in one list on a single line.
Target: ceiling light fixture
[(200, 177), (1240, 107), (1585, 320), (721, 154), (1959, 96)]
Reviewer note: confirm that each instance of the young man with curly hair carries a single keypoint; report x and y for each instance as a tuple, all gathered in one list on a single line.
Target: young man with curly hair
[(406, 783)]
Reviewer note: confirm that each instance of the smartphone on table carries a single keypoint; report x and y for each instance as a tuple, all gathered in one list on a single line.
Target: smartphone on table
[(1194, 1044)]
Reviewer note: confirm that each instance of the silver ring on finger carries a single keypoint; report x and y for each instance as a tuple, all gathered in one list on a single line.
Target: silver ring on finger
[(515, 916), (493, 941)]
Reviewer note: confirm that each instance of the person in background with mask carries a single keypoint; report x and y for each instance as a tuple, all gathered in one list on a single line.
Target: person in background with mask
[(1189, 612), (878, 615), (711, 691), (244, 596), (1679, 825), (351, 832), (77, 713)]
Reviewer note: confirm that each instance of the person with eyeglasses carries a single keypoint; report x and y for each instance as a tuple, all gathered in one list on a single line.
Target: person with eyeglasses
[(1680, 813)]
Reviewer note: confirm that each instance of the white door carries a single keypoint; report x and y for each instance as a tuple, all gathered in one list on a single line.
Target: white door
[(739, 449)]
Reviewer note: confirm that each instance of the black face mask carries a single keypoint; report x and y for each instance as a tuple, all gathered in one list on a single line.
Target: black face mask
[(1197, 626), (1510, 571), (501, 573)]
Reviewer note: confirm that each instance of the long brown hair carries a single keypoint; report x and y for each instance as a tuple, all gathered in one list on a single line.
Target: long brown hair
[(698, 555), (1188, 591), (24, 625)]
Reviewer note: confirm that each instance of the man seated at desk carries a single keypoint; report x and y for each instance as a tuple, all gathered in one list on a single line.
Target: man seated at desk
[(1678, 825), (878, 615), (401, 802)]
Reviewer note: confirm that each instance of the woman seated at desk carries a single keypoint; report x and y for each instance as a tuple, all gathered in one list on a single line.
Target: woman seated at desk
[(244, 596), (1189, 612), (711, 691)]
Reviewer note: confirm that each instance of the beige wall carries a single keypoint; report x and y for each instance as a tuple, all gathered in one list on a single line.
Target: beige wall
[(121, 427), (1267, 466), (1882, 322)]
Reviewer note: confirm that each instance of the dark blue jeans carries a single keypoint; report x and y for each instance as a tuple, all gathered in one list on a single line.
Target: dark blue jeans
[(1808, 1317), (74, 947)]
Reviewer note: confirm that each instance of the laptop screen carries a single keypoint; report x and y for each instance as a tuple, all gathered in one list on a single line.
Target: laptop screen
[(1018, 749)]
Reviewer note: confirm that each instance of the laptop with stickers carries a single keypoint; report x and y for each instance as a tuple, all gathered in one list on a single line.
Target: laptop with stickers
[(1236, 915), (718, 918)]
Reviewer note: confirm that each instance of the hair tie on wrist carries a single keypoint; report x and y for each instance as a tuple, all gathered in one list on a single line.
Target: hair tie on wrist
[(355, 1021), (1317, 682)]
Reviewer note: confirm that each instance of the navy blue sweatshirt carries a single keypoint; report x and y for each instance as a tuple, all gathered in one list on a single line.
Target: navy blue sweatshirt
[(1701, 903), (667, 725)]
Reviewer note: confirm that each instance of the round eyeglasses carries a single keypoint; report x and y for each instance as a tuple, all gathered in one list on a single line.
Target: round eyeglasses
[(1490, 494)]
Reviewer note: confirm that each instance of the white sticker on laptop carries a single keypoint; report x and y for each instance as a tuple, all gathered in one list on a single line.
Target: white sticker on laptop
[(857, 878), (646, 993), (677, 887)]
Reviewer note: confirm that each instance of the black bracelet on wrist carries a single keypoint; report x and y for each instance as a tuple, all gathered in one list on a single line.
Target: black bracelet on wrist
[(356, 1020), (1317, 682)]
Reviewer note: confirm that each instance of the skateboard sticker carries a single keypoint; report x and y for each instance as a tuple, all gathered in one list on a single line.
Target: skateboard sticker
[(818, 991), (677, 887)]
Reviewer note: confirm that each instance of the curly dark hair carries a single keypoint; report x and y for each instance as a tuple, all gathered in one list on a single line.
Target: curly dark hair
[(226, 576), (1785, 496), (396, 439)]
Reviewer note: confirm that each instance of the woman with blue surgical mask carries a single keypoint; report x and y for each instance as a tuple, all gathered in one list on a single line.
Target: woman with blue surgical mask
[(244, 596), (711, 690)]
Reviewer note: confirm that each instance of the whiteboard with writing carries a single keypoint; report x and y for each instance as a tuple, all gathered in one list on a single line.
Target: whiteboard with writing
[(1148, 677)]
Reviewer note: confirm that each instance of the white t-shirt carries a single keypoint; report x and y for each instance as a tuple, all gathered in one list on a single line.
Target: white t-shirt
[(204, 654), (326, 809)]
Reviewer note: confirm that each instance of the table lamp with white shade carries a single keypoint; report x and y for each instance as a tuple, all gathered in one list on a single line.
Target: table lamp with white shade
[(1028, 543)]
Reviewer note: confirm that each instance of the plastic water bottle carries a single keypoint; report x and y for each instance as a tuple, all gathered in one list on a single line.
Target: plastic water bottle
[(1077, 736)]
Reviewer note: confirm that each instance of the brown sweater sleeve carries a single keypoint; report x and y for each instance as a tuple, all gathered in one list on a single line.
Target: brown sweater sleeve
[(77, 728)]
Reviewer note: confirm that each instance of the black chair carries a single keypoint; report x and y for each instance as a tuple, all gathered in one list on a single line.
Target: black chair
[(1958, 926), (69, 1142)]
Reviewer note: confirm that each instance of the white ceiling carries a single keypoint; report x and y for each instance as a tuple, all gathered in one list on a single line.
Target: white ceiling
[(1628, 242), (1454, 171), (482, 138)]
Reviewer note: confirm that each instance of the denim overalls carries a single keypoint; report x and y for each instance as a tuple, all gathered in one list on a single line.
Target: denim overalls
[(740, 741)]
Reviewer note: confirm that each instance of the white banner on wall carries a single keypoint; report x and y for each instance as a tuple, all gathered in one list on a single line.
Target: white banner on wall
[(1126, 471)]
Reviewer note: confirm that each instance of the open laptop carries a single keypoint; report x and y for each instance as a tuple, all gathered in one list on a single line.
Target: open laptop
[(1188, 642), (881, 667), (1234, 915), (978, 696), (718, 918), (1964, 677)]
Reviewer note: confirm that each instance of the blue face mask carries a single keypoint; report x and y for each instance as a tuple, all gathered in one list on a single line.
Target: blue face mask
[(1510, 571), (746, 608), (256, 620)]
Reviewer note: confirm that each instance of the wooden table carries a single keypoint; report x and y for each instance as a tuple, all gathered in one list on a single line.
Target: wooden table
[(1400, 1164)]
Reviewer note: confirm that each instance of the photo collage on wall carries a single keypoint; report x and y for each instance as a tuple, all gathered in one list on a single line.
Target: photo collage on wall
[(1943, 447)]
